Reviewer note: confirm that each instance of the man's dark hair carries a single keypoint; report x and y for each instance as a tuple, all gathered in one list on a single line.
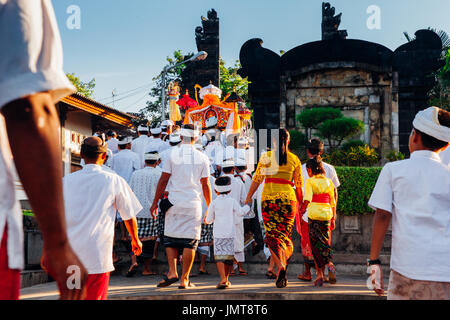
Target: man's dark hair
[(90, 149), (430, 142), (241, 168), (314, 146), (110, 133), (223, 181), (173, 144), (228, 170), (151, 162), (122, 146), (315, 164)]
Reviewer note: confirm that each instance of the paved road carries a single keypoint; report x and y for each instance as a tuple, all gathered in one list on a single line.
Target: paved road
[(243, 288)]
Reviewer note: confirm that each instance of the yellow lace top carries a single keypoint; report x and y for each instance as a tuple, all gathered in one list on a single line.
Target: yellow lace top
[(269, 168)]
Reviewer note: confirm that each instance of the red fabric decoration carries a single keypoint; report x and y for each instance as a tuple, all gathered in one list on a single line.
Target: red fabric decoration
[(186, 102)]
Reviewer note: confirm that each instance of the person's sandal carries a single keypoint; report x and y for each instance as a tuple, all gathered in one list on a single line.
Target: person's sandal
[(332, 275), (318, 282), (167, 282), (271, 275), (132, 271), (304, 277), (281, 280)]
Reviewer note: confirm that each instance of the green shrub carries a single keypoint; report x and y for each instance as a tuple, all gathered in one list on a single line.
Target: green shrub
[(355, 157), (337, 130), (395, 156), (312, 118), (356, 188), (362, 156), (298, 140), (351, 144)]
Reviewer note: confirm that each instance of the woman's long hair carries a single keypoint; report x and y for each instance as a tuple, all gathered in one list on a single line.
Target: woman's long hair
[(282, 146)]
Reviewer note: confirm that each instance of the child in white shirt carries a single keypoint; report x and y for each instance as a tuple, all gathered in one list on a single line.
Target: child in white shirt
[(223, 212)]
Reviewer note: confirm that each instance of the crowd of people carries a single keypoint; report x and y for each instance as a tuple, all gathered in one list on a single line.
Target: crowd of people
[(186, 192), (200, 193)]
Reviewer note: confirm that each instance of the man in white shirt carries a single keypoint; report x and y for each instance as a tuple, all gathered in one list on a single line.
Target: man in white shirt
[(156, 144), (186, 175), (174, 141), (126, 161), (112, 142), (138, 145), (91, 197), (32, 80), (415, 193), (143, 183), (314, 148), (166, 129), (239, 194)]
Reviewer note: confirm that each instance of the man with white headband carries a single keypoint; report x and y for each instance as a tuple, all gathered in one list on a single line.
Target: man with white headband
[(143, 183), (126, 161), (91, 198), (186, 175), (174, 140), (138, 145), (166, 129), (415, 193), (156, 144)]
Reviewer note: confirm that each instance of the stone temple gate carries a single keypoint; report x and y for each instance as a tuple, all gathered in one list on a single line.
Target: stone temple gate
[(366, 80)]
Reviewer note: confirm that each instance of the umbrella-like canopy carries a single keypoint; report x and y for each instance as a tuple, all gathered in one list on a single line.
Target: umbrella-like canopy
[(210, 89), (233, 97), (186, 102)]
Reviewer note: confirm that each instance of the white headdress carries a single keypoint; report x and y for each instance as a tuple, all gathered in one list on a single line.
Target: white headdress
[(427, 121), (125, 141), (152, 156), (155, 130)]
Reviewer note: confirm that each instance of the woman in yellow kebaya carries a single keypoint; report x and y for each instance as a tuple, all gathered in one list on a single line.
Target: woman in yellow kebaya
[(321, 204)]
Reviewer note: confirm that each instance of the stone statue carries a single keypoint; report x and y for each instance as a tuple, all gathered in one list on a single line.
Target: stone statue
[(331, 22), (212, 14)]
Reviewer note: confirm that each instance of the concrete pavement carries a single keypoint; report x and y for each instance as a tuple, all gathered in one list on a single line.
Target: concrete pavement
[(252, 287)]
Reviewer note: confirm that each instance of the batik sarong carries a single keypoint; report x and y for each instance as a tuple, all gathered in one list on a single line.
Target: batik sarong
[(279, 219), (319, 235)]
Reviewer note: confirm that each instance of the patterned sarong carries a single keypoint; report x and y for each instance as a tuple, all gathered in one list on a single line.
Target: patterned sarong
[(279, 218), (223, 249), (206, 236), (147, 228), (319, 235)]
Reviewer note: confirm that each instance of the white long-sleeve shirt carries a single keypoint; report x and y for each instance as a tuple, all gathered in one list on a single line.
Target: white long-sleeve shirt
[(125, 163), (91, 197), (138, 146), (224, 211)]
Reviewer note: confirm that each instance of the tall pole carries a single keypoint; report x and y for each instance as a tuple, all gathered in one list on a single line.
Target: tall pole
[(163, 96)]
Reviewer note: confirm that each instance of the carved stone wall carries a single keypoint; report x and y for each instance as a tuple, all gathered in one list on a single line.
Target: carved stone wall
[(360, 94)]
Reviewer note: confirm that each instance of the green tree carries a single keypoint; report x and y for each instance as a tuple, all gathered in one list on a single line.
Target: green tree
[(312, 118), (230, 79), (337, 130), (84, 88), (153, 109)]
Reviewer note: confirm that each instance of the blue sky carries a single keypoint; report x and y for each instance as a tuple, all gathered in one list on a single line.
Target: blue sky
[(124, 43)]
